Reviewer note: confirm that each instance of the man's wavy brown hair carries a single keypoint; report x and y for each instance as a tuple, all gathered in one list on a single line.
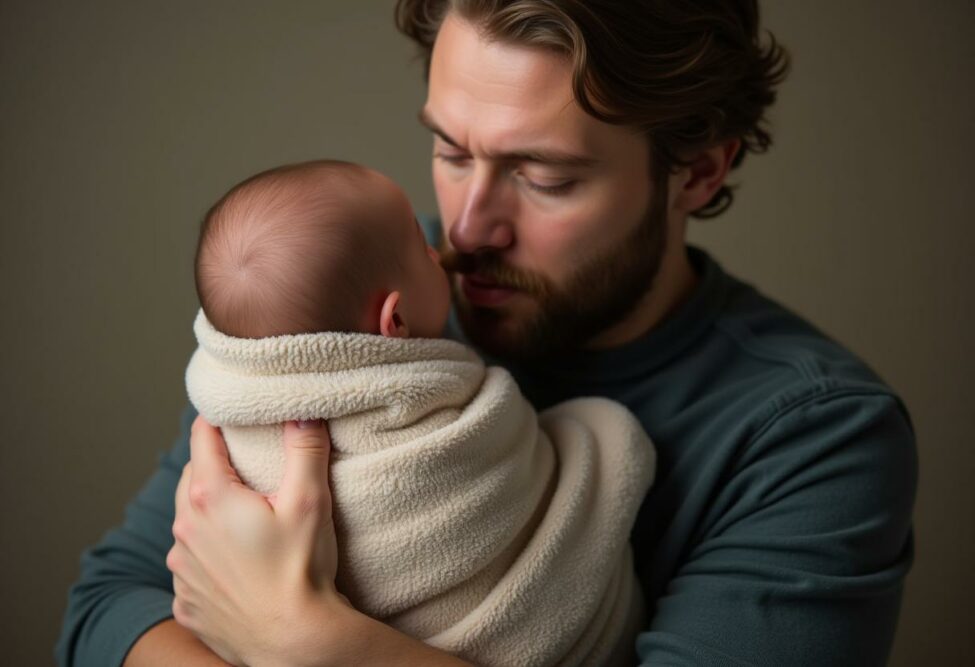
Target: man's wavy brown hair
[(689, 73)]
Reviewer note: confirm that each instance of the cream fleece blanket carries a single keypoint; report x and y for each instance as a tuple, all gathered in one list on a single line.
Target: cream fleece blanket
[(463, 518)]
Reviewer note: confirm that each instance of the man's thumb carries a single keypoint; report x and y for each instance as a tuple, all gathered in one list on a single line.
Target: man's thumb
[(304, 485)]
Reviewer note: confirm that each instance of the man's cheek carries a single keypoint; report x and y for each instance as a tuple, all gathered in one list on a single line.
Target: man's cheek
[(442, 187)]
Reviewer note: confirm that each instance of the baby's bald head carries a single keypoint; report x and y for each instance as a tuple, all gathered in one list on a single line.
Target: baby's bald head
[(297, 249)]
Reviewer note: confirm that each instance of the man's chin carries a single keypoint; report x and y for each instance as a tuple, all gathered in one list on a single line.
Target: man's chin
[(510, 339), (494, 332), (509, 330)]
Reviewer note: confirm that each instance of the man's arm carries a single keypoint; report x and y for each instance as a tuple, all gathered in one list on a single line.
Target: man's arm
[(124, 588), (802, 557), (169, 643), (120, 609)]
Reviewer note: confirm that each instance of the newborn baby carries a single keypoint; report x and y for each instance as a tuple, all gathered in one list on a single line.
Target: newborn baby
[(462, 517)]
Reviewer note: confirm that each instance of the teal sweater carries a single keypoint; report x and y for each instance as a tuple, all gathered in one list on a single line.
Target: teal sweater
[(777, 532)]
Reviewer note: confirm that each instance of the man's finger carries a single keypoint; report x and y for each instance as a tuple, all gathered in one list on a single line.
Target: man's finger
[(212, 472), (304, 486), (186, 534), (182, 590), (182, 505)]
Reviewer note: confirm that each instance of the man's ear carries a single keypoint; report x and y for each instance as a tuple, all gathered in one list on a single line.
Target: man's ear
[(391, 323), (698, 181)]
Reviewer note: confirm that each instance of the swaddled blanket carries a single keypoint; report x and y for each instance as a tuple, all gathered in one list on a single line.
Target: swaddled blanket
[(463, 518)]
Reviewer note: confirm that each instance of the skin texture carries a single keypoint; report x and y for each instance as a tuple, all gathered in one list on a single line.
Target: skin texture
[(235, 549), (169, 643)]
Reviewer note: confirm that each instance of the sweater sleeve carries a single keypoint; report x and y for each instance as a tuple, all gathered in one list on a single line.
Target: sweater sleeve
[(802, 554), (124, 587)]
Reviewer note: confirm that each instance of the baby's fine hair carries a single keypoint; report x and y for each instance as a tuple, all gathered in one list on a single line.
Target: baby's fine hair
[(280, 254)]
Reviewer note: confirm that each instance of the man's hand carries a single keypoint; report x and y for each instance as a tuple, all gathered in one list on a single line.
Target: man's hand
[(254, 576)]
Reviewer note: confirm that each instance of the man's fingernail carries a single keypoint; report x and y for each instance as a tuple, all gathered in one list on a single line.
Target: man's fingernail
[(309, 423)]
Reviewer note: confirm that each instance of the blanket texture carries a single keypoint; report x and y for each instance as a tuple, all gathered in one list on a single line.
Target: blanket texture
[(463, 518)]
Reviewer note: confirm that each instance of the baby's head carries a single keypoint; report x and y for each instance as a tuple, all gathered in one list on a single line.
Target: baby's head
[(318, 246)]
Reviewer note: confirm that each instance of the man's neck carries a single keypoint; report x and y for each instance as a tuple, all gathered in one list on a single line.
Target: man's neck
[(672, 286)]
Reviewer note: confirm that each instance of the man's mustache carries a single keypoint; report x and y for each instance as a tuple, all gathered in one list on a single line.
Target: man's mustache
[(491, 268)]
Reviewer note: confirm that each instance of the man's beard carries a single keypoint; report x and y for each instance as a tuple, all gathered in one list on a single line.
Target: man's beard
[(601, 293)]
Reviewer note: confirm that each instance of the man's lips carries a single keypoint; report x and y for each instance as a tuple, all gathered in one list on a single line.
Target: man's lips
[(482, 291)]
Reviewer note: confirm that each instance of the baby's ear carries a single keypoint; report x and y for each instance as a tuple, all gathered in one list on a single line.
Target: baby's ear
[(391, 323)]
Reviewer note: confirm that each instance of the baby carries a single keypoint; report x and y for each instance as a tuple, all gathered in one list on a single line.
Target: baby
[(462, 517), (319, 246)]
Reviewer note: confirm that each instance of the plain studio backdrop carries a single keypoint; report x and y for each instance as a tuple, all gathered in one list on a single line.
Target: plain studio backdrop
[(121, 122)]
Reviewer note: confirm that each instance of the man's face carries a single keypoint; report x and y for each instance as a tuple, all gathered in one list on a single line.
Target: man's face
[(549, 214)]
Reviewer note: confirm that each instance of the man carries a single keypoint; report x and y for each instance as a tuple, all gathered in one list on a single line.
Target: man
[(572, 141)]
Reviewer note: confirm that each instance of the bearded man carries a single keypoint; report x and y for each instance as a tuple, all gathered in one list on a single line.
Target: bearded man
[(572, 142)]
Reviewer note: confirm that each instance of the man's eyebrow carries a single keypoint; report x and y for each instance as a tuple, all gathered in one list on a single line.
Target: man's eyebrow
[(541, 155), (429, 123)]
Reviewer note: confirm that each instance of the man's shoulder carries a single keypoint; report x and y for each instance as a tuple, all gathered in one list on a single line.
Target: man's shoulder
[(746, 363), (785, 365), (765, 329)]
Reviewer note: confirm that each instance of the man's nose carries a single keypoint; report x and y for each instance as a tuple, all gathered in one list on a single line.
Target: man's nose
[(486, 215)]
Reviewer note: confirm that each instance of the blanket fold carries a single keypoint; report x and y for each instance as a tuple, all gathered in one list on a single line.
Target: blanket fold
[(463, 518)]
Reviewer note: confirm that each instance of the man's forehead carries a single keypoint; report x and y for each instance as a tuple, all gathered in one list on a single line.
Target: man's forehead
[(468, 68), (502, 94)]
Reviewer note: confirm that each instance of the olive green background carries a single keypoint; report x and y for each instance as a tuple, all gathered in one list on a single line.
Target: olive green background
[(120, 122)]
